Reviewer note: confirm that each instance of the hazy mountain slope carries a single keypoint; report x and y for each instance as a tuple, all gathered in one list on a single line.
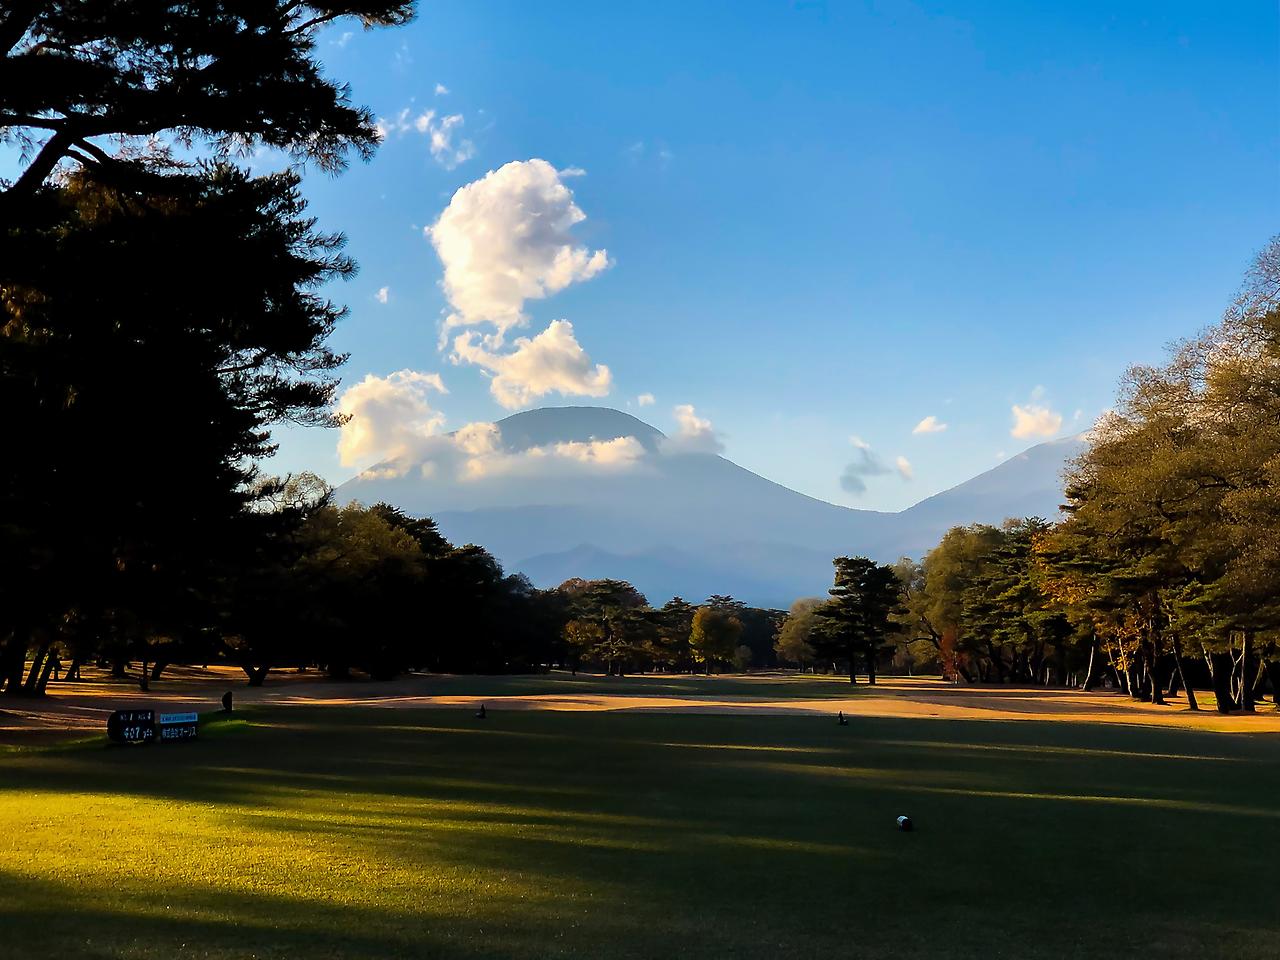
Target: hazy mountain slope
[(1027, 485), (686, 523)]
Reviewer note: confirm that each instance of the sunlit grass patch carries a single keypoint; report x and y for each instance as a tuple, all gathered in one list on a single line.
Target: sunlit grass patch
[(335, 833)]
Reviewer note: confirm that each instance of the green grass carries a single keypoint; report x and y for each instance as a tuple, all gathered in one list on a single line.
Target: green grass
[(562, 683), (330, 832)]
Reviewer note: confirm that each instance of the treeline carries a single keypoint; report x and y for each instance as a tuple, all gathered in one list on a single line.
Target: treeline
[(610, 626), (373, 590), (1164, 573)]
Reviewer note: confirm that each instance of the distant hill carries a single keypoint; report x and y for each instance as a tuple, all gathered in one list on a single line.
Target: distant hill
[(684, 523)]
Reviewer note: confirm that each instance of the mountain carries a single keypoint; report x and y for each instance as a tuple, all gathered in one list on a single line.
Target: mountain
[(594, 492)]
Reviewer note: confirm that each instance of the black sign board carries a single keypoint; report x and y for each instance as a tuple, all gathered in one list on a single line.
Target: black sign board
[(131, 726)]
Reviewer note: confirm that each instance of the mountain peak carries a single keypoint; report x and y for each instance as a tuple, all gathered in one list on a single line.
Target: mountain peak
[(551, 425)]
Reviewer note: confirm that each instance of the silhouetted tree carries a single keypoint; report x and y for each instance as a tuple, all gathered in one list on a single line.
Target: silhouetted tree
[(859, 616)]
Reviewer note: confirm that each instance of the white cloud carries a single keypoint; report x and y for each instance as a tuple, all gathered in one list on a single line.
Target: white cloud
[(645, 400), (389, 418), (475, 453), (343, 40), (905, 469), (383, 294), (478, 439), (446, 147), (929, 424), (560, 459), (441, 132), (551, 362), (400, 124), (694, 434), (1034, 420), (441, 90), (505, 239)]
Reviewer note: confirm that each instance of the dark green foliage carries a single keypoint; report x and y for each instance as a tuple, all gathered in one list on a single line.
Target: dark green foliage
[(858, 619), (157, 317), (227, 74)]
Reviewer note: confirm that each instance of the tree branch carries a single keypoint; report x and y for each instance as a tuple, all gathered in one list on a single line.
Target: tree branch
[(15, 25), (55, 149)]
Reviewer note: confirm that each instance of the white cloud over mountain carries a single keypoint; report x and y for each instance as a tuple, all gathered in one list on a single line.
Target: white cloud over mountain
[(1034, 420), (472, 453), (551, 362), (506, 239), (929, 424), (694, 434), (388, 418)]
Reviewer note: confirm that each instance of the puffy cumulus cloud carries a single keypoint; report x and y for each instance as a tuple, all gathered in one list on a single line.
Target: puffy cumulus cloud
[(551, 362), (383, 295), (476, 452), (560, 459), (1034, 420), (389, 419), (905, 470), (472, 453), (442, 132), (505, 239), (441, 90), (694, 434), (645, 400), (478, 439), (929, 424)]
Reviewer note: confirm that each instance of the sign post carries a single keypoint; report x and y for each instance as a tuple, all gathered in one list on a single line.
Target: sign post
[(131, 726), (178, 726)]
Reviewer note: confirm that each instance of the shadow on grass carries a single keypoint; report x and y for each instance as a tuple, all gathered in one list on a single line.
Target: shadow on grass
[(352, 833)]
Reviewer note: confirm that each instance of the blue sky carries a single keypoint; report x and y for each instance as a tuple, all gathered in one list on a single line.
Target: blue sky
[(825, 220)]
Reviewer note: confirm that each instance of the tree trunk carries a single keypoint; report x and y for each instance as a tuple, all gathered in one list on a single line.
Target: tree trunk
[(853, 668), (1137, 678), (73, 671), (1153, 668), (1220, 672), (1036, 663), (157, 669), (44, 674), (1273, 674), (1246, 668), (256, 674), (1182, 676), (118, 668), (31, 688)]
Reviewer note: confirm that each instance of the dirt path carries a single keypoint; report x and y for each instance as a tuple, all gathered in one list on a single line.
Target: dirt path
[(77, 708)]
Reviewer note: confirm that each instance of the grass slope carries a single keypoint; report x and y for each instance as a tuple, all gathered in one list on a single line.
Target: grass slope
[(370, 833)]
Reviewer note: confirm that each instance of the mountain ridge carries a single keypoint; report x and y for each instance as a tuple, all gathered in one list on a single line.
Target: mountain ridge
[(562, 491)]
